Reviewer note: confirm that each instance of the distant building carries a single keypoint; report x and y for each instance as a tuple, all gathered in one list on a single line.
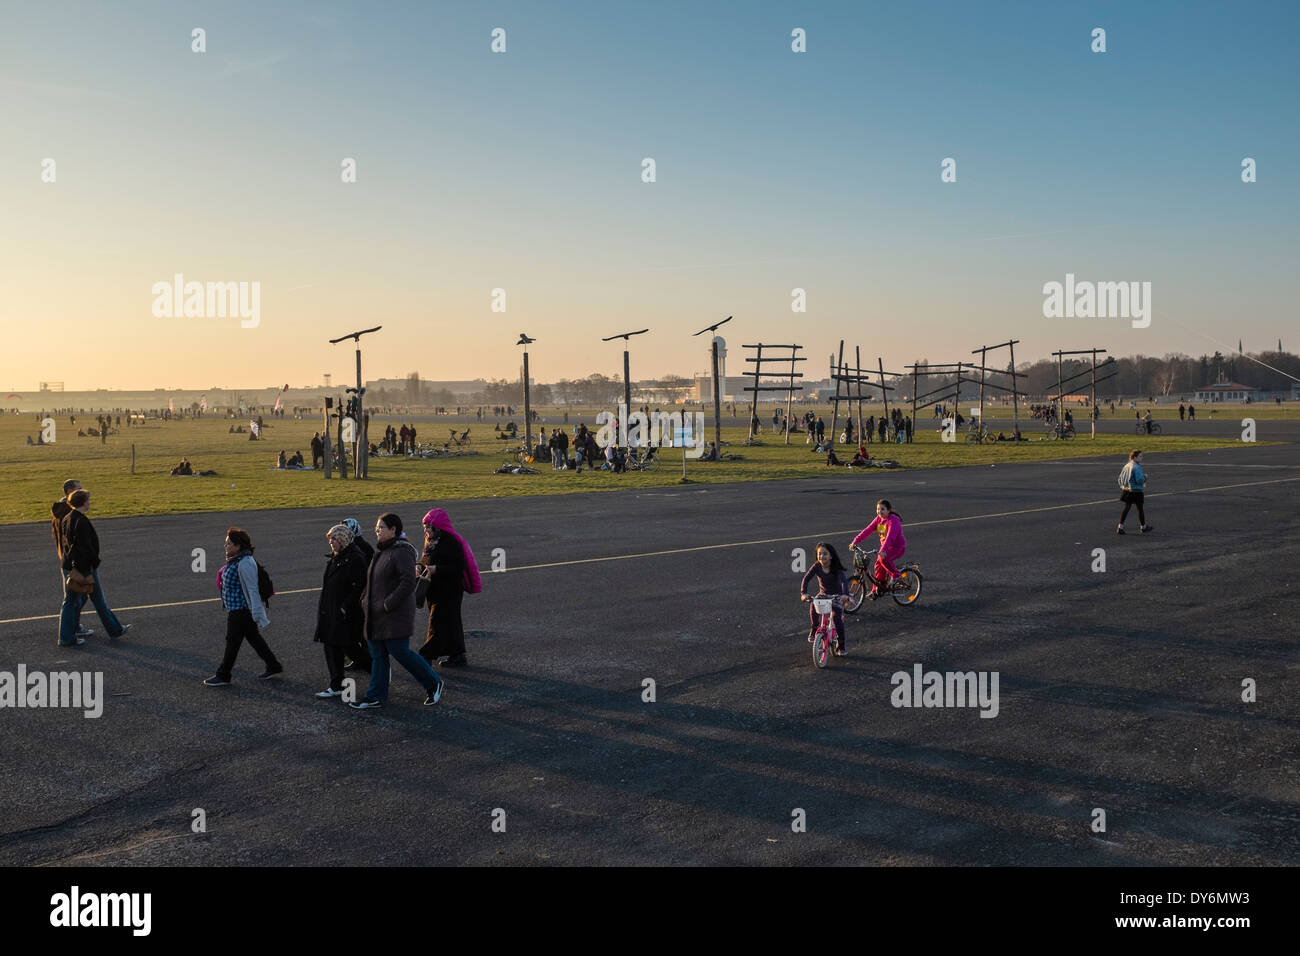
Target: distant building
[(1226, 392)]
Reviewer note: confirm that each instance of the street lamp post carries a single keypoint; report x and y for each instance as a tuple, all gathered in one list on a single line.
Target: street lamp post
[(362, 451), (627, 376), (717, 396), (525, 341)]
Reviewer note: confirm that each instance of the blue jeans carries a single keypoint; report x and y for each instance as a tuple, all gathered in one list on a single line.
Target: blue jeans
[(72, 603), (400, 650)]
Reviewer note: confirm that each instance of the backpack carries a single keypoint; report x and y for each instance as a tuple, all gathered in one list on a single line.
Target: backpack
[(265, 589), (1125, 476)]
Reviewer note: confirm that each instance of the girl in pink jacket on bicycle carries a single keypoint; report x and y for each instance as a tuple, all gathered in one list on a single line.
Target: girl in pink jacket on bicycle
[(889, 527)]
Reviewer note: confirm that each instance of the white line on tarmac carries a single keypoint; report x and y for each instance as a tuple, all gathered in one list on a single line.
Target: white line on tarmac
[(734, 544)]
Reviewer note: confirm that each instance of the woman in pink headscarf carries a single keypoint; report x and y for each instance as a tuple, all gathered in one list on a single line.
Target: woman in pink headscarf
[(447, 571)]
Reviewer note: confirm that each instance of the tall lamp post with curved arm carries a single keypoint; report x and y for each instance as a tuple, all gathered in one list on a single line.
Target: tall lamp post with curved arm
[(717, 395), (627, 377), (525, 341), (362, 451)]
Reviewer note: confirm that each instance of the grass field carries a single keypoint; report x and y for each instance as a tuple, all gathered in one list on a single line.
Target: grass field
[(33, 476)]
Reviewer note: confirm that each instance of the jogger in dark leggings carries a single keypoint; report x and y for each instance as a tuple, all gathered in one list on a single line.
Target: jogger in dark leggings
[(1132, 482), (1133, 499)]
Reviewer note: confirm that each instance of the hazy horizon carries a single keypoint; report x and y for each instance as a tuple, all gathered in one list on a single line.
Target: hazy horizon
[(522, 171)]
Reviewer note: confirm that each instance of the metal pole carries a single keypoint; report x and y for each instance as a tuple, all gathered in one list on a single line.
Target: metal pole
[(528, 418), (362, 450), (717, 405), (627, 384)]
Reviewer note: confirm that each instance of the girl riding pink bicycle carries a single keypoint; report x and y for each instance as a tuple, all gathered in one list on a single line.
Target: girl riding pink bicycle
[(889, 526)]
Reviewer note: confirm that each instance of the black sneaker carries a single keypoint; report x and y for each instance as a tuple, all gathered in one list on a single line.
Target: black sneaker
[(459, 660), (365, 703), (269, 673), (1146, 529), (1119, 529), (436, 695), (216, 681)]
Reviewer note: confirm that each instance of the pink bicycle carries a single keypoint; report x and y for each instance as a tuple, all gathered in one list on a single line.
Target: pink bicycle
[(825, 638)]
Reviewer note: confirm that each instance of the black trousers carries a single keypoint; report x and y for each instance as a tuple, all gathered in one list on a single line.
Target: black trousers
[(334, 654), (360, 654), (1133, 499), (241, 627)]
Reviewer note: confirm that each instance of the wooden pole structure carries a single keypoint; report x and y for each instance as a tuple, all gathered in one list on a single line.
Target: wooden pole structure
[(911, 432), (1060, 399), (1013, 383), (1015, 390), (884, 395), (835, 413), (343, 449), (1092, 410), (789, 396), (328, 453), (133, 458), (956, 397), (753, 411)]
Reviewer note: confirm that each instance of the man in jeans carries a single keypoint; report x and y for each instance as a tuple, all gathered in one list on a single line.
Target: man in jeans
[(72, 601)]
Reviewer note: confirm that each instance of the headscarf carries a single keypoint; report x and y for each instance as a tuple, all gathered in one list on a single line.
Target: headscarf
[(342, 532), (471, 581), (354, 526)]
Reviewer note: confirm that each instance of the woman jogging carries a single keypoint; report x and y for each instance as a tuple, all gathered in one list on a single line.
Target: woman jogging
[(893, 545), (1132, 483)]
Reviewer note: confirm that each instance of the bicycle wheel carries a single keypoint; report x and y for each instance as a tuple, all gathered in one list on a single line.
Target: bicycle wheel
[(821, 647), (1067, 434), (857, 591), (1155, 428), (907, 588), (972, 438)]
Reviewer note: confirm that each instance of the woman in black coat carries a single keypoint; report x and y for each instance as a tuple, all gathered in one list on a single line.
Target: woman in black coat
[(442, 577), (339, 619)]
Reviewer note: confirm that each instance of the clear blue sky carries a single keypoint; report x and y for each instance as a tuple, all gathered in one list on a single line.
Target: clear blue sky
[(522, 170)]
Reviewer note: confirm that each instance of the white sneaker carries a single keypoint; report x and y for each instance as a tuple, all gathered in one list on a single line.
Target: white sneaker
[(329, 692)]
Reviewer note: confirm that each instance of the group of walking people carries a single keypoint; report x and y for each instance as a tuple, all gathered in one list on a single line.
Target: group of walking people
[(366, 611)]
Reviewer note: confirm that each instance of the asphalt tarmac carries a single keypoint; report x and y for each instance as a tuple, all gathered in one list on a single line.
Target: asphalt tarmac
[(1119, 691)]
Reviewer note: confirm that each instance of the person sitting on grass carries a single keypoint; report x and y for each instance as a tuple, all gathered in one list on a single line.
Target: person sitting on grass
[(296, 461), (184, 468), (281, 462), (831, 459), (862, 458)]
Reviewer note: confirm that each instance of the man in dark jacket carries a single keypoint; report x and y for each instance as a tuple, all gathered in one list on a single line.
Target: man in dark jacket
[(81, 552), (317, 450), (388, 604), (58, 511)]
